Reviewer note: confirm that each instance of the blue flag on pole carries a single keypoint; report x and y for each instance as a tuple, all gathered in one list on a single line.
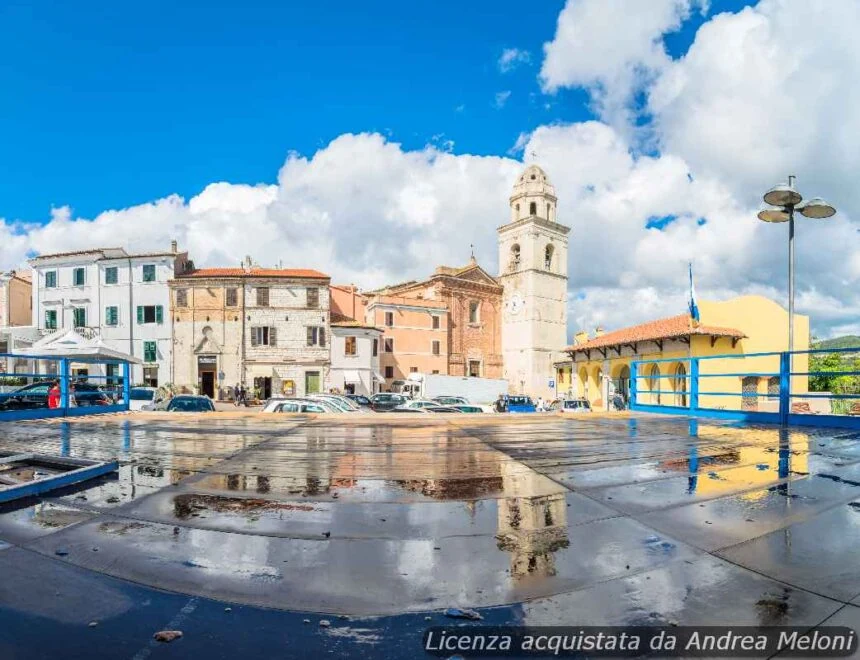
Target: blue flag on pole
[(694, 308)]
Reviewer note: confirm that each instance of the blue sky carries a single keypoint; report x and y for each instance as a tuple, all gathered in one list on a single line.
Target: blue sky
[(106, 105)]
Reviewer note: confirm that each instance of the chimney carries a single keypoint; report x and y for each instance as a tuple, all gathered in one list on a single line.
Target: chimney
[(598, 331), (580, 337), (174, 246)]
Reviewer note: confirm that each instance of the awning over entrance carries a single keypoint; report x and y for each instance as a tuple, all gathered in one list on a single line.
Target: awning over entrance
[(73, 346), (378, 376), (351, 376)]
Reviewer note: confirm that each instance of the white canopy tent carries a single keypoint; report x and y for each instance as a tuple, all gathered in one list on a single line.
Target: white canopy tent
[(71, 345)]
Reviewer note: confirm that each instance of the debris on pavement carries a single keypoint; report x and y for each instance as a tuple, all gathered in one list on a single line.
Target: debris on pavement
[(457, 613), (167, 636)]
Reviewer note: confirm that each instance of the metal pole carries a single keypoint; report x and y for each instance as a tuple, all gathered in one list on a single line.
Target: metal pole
[(791, 272)]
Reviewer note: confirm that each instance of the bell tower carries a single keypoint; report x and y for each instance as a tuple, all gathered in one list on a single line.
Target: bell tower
[(533, 272)]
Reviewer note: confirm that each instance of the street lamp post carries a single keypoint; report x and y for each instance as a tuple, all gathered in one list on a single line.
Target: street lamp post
[(784, 201)]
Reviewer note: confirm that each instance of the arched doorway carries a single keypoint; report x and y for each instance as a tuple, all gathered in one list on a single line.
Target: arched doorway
[(654, 384), (620, 394), (680, 385)]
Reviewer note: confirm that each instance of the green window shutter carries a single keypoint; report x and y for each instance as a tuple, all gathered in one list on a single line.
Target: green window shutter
[(139, 314), (159, 314)]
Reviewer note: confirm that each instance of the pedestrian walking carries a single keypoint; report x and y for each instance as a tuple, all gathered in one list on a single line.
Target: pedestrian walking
[(54, 395)]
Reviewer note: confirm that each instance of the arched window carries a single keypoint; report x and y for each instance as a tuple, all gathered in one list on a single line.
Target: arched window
[(515, 256), (654, 384), (533, 208), (547, 257), (474, 311), (680, 386)]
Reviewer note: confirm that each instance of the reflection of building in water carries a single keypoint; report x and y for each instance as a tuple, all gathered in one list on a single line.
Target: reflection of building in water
[(532, 528), (275, 469)]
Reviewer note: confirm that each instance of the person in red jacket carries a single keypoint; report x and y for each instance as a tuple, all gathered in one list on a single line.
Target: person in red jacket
[(54, 395)]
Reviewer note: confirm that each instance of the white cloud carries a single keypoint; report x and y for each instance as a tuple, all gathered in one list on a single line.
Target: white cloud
[(611, 47), (501, 98), (511, 58)]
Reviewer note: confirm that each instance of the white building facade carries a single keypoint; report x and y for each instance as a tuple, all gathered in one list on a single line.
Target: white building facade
[(533, 250), (355, 349), (121, 298)]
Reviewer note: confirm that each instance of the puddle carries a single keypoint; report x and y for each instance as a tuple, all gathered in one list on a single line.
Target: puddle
[(31, 518)]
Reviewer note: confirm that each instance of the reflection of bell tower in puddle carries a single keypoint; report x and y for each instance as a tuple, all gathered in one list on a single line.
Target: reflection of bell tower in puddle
[(532, 522)]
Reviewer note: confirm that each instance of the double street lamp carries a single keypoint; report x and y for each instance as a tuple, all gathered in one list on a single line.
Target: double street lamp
[(785, 200)]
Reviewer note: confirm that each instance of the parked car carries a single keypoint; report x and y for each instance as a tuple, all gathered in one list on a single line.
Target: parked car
[(472, 408), (360, 399), (35, 395), (574, 406), (276, 404), (443, 409), (299, 406), (140, 397), (190, 403), (385, 401), (420, 403), (340, 402), (518, 403), (450, 400)]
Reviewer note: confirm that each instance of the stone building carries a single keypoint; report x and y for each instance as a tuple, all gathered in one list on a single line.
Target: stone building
[(266, 329), (533, 271)]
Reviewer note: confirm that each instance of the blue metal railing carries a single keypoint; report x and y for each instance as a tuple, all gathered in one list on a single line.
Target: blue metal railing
[(49, 388), (690, 396)]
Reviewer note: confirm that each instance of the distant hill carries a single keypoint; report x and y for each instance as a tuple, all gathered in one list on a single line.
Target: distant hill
[(848, 341)]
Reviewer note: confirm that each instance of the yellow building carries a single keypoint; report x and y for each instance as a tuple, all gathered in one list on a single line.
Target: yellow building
[(598, 367)]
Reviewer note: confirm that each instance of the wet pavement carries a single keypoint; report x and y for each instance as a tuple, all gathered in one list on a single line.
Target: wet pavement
[(379, 523)]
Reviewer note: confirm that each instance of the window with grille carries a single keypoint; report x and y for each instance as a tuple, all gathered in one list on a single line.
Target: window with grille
[(316, 336), (773, 387), (262, 296), (749, 393), (313, 297), (182, 297), (232, 297), (150, 314), (349, 346)]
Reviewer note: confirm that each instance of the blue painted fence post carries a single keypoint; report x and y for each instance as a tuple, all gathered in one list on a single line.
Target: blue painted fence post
[(126, 385), (694, 385), (634, 370), (64, 385), (784, 387)]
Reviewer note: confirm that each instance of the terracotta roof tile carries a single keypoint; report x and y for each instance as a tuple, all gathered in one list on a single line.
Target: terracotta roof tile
[(668, 328), (305, 273), (339, 320)]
